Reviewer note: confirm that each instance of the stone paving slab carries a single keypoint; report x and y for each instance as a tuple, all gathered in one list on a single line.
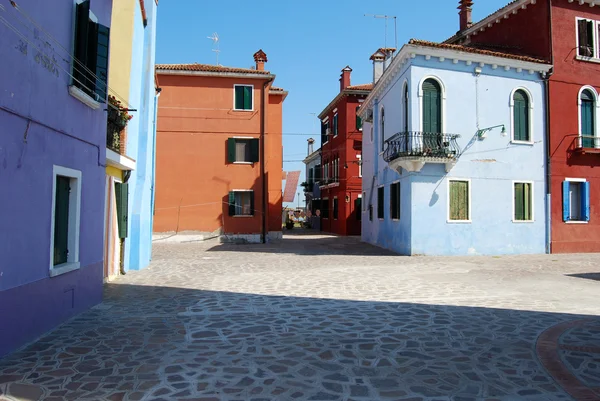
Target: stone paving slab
[(318, 318)]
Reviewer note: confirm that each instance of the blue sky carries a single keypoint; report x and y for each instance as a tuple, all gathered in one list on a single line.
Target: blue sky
[(307, 43)]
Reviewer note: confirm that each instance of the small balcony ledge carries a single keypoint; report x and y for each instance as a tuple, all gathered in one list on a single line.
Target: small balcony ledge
[(412, 150), (586, 144)]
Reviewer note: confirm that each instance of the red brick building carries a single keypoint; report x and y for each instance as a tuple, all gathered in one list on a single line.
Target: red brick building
[(566, 33), (341, 143)]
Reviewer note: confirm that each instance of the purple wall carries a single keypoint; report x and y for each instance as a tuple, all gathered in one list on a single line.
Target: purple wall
[(42, 125)]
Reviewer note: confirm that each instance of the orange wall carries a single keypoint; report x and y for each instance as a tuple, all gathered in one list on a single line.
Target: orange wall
[(193, 177)]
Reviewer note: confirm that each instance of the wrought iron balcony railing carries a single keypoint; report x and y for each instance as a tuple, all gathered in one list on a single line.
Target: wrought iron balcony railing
[(425, 145)]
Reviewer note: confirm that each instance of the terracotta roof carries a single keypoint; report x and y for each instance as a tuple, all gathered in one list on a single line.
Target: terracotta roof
[(277, 89), (209, 68), (476, 50), (363, 87)]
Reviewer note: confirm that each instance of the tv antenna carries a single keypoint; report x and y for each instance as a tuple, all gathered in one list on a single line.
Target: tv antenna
[(386, 18), (215, 39)]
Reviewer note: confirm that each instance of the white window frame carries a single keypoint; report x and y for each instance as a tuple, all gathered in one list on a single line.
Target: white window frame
[(596, 122), (512, 116), (359, 157), (405, 106), (580, 180), (327, 131), (531, 183), (448, 220), (73, 262), (596, 57), (235, 86), (399, 202), (420, 94), (237, 216)]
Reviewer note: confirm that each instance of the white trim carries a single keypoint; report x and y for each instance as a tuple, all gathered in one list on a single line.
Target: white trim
[(468, 181), (512, 116), (236, 85), (359, 157), (242, 190), (595, 39), (244, 75), (243, 137), (382, 133), (335, 110), (84, 97), (325, 120), (74, 220), (575, 179), (531, 183), (420, 95), (119, 161), (596, 103), (242, 163)]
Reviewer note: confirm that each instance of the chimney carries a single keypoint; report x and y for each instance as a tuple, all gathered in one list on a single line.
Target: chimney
[(345, 78), (260, 58), (310, 146), (378, 59), (465, 7), (389, 56)]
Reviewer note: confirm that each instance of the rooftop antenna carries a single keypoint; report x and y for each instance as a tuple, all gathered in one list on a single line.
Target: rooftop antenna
[(215, 39), (386, 18)]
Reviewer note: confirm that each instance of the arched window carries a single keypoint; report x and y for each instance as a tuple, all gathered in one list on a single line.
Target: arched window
[(521, 126), (432, 106), (588, 120), (406, 107), (382, 134)]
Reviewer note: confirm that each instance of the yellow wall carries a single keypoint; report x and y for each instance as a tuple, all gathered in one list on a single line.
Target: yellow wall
[(121, 46), (114, 172)]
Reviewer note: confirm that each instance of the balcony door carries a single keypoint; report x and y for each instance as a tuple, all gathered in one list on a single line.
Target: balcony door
[(587, 119), (432, 107)]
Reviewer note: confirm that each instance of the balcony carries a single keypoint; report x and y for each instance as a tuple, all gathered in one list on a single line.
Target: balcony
[(412, 150), (586, 144), (117, 120)]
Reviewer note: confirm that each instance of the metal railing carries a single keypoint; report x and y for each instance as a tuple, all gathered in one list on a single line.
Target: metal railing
[(421, 144)]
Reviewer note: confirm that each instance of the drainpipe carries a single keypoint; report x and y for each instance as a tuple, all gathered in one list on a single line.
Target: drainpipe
[(548, 163), (158, 91), (265, 194)]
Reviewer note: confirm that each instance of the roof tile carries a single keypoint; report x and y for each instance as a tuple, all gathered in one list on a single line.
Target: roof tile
[(209, 68)]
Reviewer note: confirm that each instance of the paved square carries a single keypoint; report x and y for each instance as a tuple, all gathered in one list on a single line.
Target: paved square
[(323, 318)]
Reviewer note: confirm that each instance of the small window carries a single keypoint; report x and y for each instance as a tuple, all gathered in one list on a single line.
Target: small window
[(358, 208), (523, 201), (325, 208), (90, 67), (395, 201), (406, 100), (335, 208), (380, 207), (243, 95), (459, 203), (382, 133), (576, 201), (585, 36), (521, 131), (358, 120), (241, 203), (241, 150), (588, 119), (335, 125)]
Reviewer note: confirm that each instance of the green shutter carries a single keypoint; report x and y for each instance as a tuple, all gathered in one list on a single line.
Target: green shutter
[(335, 125), (231, 150), (406, 99), (358, 120), (101, 61), (459, 200), (247, 98), (231, 203), (81, 37), (453, 201), (521, 116), (587, 119), (92, 55), (432, 111), (61, 220), (527, 203), (122, 195), (519, 202), (239, 98), (254, 150)]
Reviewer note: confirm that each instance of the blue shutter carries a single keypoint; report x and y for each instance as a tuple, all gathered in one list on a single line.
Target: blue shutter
[(585, 201), (566, 203)]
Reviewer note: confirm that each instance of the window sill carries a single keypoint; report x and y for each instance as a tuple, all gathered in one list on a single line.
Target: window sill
[(395, 219), (576, 222), (458, 221), (244, 110), (523, 221), (64, 268), (242, 163), (380, 219), (84, 97), (588, 59), (522, 143)]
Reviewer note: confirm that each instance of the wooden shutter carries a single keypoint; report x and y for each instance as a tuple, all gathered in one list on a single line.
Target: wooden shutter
[(92, 55), (459, 200), (231, 203), (231, 150), (566, 202), (585, 201), (432, 111), (527, 212), (122, 195), (406, 108), (61, 220), (239, 97), (358, 120), (247, 97), (254, 150), (323, 133), (335, 125), (519, 202), (82, 15), (521, 116), (103, 36)]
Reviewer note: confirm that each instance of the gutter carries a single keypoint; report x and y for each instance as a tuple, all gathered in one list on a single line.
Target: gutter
[(152, 191), (265, 192), (548, 136)]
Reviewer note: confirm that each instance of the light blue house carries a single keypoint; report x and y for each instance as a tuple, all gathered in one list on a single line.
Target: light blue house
[(454, 152)]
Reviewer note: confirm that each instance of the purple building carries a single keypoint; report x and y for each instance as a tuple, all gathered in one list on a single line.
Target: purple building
[(52, 152)]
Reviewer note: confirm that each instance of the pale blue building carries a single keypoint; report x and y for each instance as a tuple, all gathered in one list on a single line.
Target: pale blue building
[(454, 152)]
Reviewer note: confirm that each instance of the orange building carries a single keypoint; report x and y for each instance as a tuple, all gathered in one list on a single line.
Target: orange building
[(219, 151)]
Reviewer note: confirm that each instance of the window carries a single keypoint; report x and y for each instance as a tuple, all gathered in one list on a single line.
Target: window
[(358, 208), (318, 175), (380, 210), (90, 68), (395, 201), (521, 116), (523, 198), (335, 125), (243, 97), (358, 120), (382, 133), (241, 203), (406, 100), (359, 157), (325, 208), (335, 208), (242, 150), (66, 207), (586, 38), (576, 200), (324, 133), (587, 106), (432, 106), (122, 197), (459, 201), (326, 174)]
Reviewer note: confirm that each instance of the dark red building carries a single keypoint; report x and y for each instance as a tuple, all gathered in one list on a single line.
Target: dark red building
[(341, 143), (566, 33)]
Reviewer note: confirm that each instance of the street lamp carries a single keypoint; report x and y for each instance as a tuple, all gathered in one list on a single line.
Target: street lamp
[(482, 133)]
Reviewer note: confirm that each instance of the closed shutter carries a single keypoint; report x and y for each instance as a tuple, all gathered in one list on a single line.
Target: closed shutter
[(247, 98), (254, 150), (101, 61), (323, 133), (61, 220), (358, 120), (585, 201), (231, 203), (358, 208), (527, 212), (122, 195), (587, 119), (231, 150), (335, 125), (406, 108), (81, 49), (566, 202), (239, 97), (521, 116), (459, 200), (432, 112), (519, 212)]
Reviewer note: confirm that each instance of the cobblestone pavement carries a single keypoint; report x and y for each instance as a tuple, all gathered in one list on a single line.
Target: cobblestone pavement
[(322, 318)]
